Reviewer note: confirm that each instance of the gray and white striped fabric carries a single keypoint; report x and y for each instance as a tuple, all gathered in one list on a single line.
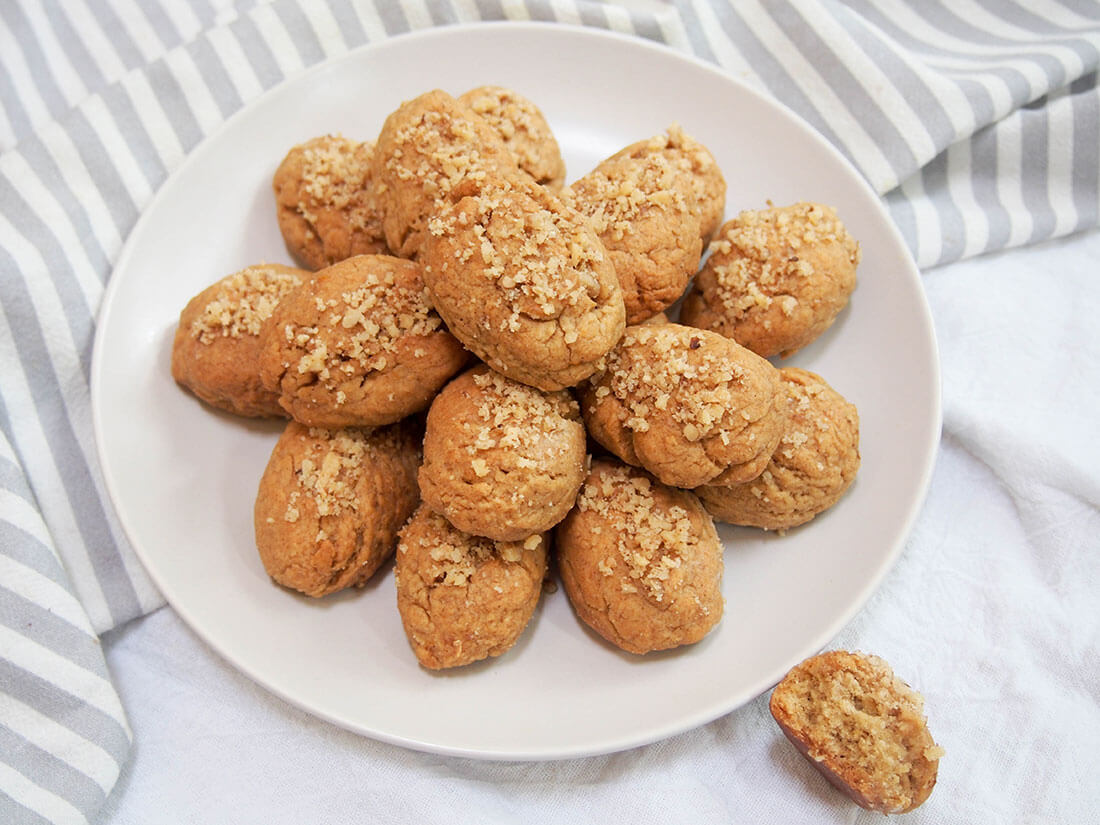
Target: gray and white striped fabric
[(62, 729), (977, 120)]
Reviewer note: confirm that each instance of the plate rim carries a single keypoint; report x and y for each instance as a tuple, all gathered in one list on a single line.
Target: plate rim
[(681, 724)]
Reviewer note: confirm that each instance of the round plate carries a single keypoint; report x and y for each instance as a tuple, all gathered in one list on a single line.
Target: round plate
[(183, 476)]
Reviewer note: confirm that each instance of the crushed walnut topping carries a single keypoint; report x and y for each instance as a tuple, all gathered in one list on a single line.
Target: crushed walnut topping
[(761, 253), (242, 302), (336, 175), (683, 373), (362, 326), (521, 125), (680, 147), (651, 540), (331, 470), (439, 149), (698, 171), (538, 252), (805, 414), (456, 556), (617, 193), (518, 417)]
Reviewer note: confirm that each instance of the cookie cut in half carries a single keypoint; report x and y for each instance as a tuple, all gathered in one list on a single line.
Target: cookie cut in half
[(861, 727)]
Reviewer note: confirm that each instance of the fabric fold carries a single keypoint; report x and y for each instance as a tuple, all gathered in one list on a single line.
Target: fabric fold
[(63, 733)]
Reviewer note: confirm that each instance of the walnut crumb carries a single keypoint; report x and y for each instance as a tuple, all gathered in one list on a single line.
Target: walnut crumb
[(652, 541), (655, 367), (242, 302)]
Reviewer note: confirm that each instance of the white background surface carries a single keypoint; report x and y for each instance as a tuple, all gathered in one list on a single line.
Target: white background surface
[(991, 612)]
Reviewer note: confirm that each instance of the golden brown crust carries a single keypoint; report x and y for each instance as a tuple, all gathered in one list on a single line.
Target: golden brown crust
[(331, 502), (524, 283), (216, 347), (648, 221), (640, 562), (861, 727), (816, 461), (524, 130), (703, 182), (427, 148), (325, 203), (502, 459), (776, 279), (358, 345), (690, 406), (464, 598)]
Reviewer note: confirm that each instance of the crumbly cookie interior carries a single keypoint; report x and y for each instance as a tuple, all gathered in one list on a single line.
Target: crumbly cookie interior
[(866, 725)]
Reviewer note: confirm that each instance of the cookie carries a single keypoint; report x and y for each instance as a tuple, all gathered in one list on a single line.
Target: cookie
[(428, 147), (814, 465), (524, 129), (502, 459), (358, 345), (640, 561), (464, 598), (776, 279), (690, 406), (522, 280), (324, 201), (647, 219), (703, 181), (331, 502), (216, 347), (861, 727)]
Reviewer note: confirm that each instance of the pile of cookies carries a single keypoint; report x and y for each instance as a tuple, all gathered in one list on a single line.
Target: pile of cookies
[(482, 378)]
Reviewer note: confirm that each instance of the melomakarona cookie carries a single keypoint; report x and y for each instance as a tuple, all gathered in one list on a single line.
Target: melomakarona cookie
[(331, 502), (428, 147), (463, 598), (523, 127), (358, 345), (816, 461), (522, 280), (861, 727), (216, 348), (640, 561), (776, 278), (502, 459), (648, 221), (702, 178), (325, 205), (690, 406)]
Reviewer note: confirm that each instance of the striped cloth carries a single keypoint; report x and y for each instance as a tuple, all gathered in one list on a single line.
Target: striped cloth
[(977, 120), (63, 734)]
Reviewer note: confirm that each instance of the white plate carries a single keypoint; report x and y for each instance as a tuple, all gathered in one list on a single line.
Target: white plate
[(183, 477)]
